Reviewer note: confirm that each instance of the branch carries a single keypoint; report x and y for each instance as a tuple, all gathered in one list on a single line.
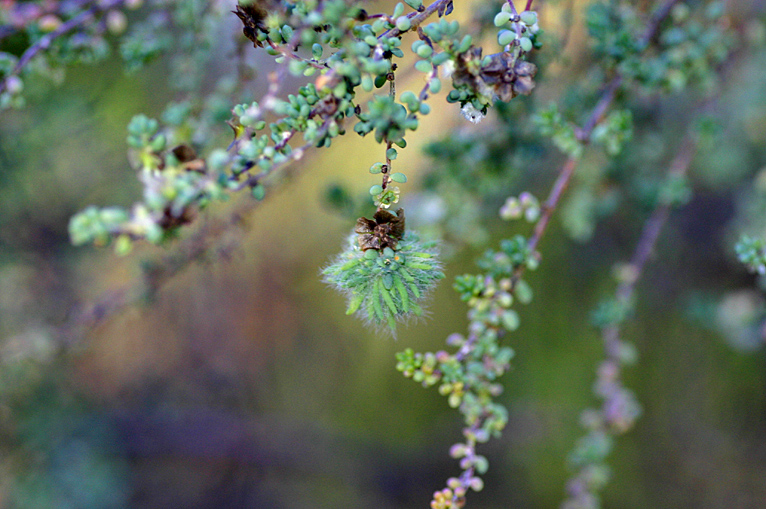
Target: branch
[(69, 25), (155, 274), (651, 232), (416, 18), (26, 13), (584, 134), (45, 42), (201, 242), (619, 409)]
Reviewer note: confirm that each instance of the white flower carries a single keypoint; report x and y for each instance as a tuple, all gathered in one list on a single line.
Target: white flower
[(448, 68), (471, 113)]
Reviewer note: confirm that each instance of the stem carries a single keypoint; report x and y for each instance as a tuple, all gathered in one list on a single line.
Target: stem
[(21, 21), (584, 136), (45, 42), (417, 18), (653, 226), (387, 168), (578, 486)]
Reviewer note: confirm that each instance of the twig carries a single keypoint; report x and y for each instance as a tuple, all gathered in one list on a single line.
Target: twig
[(559, 187), (614, 417), (416, 18), (199, 244), (651, 232), (69, 25), (584, 136), (21, 21), (567, 170)]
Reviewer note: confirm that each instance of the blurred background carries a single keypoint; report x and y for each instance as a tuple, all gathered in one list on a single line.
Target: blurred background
[(240, 382)]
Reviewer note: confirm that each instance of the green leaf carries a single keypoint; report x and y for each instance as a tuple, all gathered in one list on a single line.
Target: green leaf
[(423, 66), (376, 296), (501, 18), (354, 303), (399, 285), (505, 37), (389, 301)]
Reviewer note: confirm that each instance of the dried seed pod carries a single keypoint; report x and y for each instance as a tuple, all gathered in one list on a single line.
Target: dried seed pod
[(253, 18), (384, 230)]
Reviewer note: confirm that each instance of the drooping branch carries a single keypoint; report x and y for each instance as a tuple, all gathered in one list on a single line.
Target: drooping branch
[(619, 408), (453, 495), (202, 242)]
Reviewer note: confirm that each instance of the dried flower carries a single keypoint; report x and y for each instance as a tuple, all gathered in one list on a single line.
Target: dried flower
[(384, 230)]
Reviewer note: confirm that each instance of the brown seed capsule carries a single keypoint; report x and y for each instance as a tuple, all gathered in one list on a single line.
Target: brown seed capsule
[(503, 76), (253, 18), (384, 230)]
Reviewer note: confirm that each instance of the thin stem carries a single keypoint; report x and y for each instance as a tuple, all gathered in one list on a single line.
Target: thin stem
[(559, 186), (584, 134), (416, 18), (578, 486), (386, 171), (45, 42), (652, 228), (20, 21)]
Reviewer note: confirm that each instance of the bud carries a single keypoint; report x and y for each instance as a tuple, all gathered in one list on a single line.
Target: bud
[(14, 85), (49, 23), (116, 22)]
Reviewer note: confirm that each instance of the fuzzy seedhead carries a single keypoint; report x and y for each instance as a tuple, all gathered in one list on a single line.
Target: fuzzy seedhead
[(385, 285)]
